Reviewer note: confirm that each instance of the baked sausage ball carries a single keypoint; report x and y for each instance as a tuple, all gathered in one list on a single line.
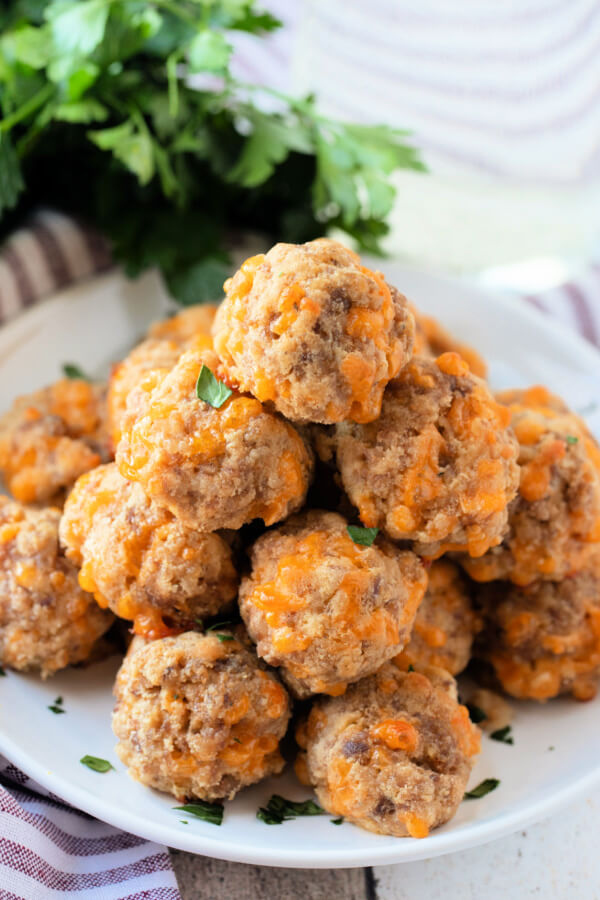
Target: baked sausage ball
[(46, 621), (165, 343), (51, 437), (139, 560), (445, 624), (544, 639), (326, 610), (432, 339), (311, 330), (212, 467), (152, 354), (555, 519), (439, 466), (197, 717), (392, 755)]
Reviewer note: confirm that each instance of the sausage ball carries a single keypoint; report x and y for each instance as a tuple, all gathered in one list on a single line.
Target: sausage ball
[(197, 717), (445, 624), (432, 339), (50, 438), (555, 520), (212, 467), (309, 329), (139, 560), (325, 609), (544, 639), (188, 325), (392, 755), (439, 466), (46, 621)]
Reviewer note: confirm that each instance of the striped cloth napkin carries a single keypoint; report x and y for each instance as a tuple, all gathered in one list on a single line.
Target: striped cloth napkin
[(48, 849)]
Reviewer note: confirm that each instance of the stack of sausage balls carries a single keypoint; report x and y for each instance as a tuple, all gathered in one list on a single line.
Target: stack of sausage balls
[(315, 458)]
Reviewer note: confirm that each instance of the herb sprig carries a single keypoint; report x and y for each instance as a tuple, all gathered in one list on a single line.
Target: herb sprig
[(279, 810), (127, 114), (200, 809)]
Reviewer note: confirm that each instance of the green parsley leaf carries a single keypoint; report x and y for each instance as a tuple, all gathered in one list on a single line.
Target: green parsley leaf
[(211, 390), (571, 439), (503, 735), (70, 370), (208, 812), (11, 182), (363, 536), (279, 810), (96, 764), (411, 668), (486, 787), (476, 713), (209, 52), (337, 821), (131, 145), (57, 706)]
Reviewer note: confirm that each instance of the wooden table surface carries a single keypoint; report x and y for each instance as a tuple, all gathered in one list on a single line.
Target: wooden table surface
[(555, 860)]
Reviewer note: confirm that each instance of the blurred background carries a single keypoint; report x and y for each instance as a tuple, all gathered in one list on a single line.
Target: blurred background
[(503, 99)]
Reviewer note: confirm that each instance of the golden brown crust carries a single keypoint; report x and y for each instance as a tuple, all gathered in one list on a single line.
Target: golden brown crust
[(325, 609), (308, 329), (46, 621), (544, 639), (51, 437), (554, 522), (139, 560), (439, 467), (213, 468), (197, 717), (442, 635), (392, 755)]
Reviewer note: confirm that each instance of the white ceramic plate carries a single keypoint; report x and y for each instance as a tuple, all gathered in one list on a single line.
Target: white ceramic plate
[(555, 755)]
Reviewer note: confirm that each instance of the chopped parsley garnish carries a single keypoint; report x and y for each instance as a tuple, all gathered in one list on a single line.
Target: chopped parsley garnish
[(550, 748), (96, 764), (337, 821), (476, 713), (208, 812), (486, 787), (199, 623), (237, 741), (571, 439), (210, 389), (503, 735), (2, 673), (70, 370), (222, 637), (184, 822), (57, 706), (363, 536), (279, 810), (411, 668)]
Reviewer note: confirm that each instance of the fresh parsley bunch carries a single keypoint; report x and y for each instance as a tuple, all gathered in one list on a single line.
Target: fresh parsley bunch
[(126, 114)]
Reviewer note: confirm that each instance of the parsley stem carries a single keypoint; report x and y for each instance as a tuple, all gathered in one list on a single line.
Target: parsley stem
[(27, 108)]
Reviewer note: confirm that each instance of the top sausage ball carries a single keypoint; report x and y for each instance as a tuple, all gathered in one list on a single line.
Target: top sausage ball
[(198, 717), (555, 520), (544, 639), (439, 466), (50, 438), (326, 610), (392, 755), (46, 621), (446, 623), (212, 467), (139, 560), (309, 329)]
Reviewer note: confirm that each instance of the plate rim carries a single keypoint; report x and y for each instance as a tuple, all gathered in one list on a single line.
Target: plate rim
[(408, 850)]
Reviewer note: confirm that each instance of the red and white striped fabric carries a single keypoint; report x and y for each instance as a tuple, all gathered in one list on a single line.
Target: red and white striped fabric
[(49, 850)]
